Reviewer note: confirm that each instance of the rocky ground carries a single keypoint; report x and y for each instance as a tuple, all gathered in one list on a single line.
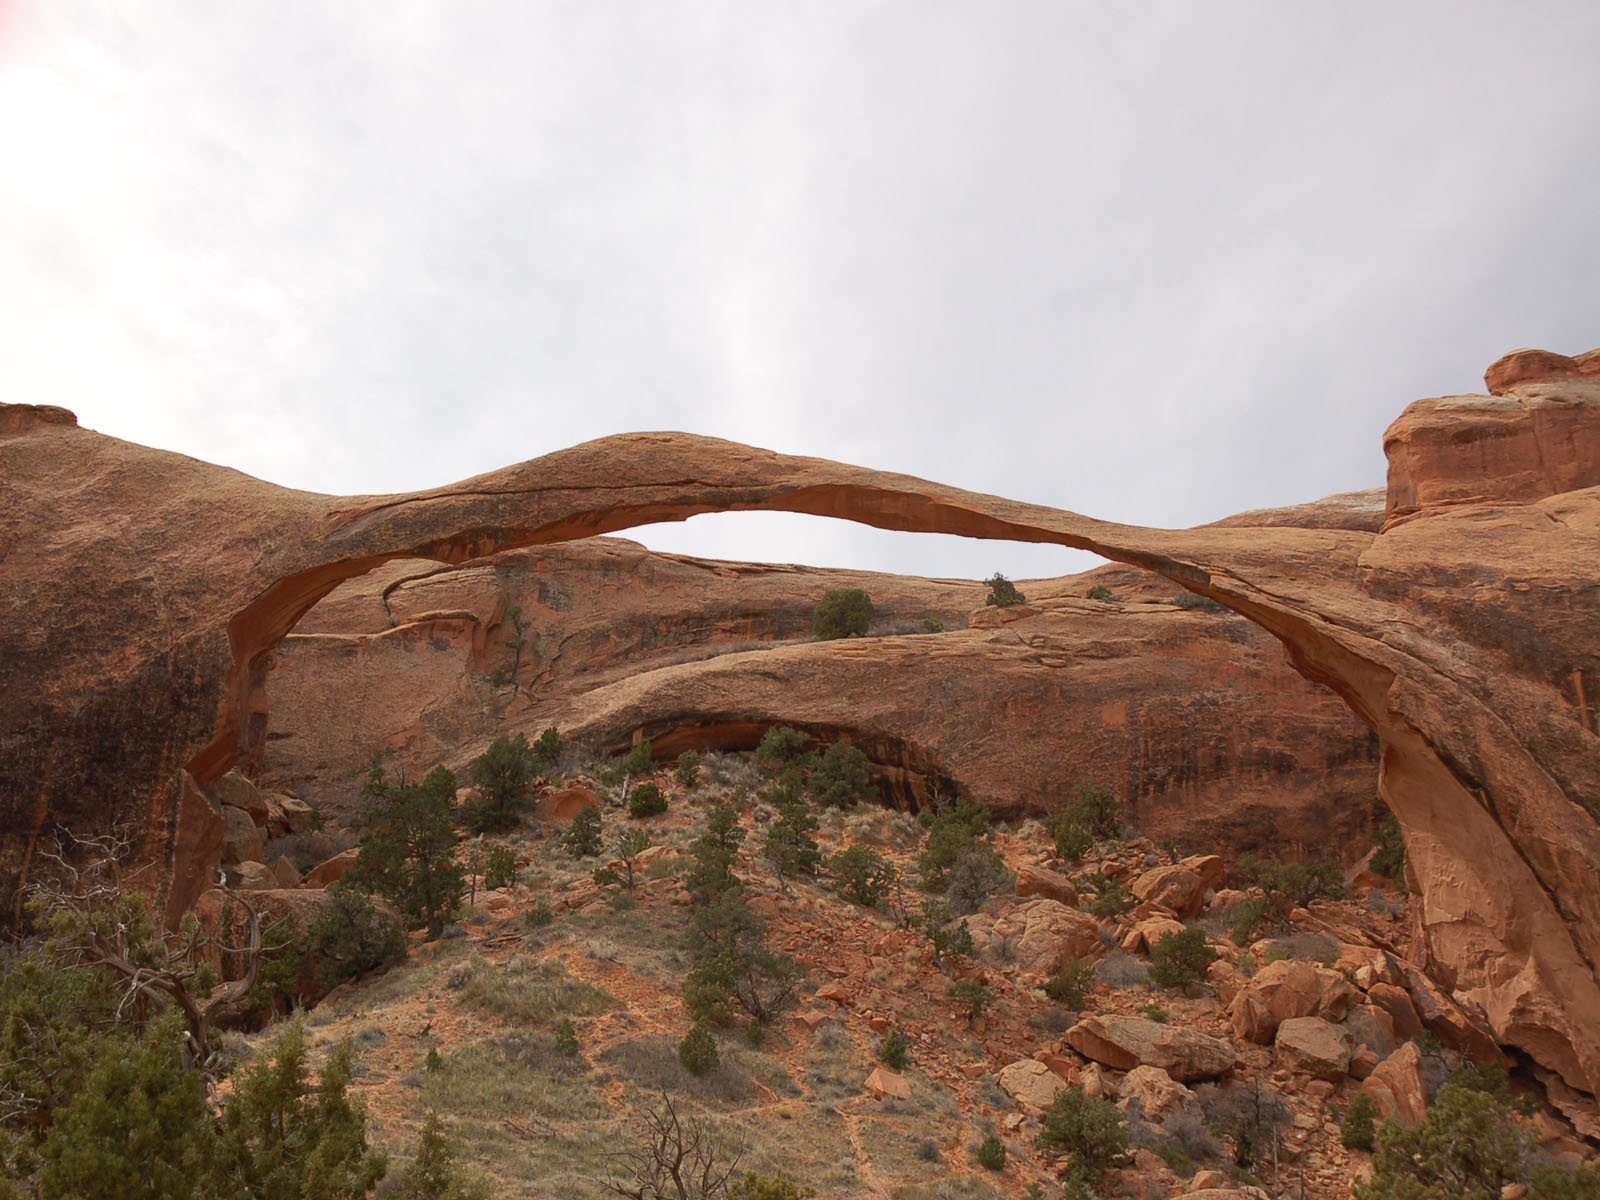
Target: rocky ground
[(1322, 1003)]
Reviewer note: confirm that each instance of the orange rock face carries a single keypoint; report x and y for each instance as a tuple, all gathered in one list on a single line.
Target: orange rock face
[(154, 589)]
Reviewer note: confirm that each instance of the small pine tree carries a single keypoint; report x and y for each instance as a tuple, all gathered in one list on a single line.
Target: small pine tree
[(1389, 855), (970, 996), (1101, 592), (686, 771), (646, 801), (991, 1153), (1070, 986), (789, 845), (500, 869), (1358, 1130), (435, 1173), (504, 773), (548, 748), (1179, 960), (698, 1051), (714, 852), (843, 778), (842, 612), (582, 838), (892, 1050), (780, 745), (1091, 1130), (864, 875), (410, 859)]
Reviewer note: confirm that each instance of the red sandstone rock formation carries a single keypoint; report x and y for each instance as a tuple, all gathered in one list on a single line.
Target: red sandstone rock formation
[(1193, 717), (144, 591)]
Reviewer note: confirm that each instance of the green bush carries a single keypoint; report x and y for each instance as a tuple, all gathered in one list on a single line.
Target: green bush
[(547, 748), (1155, 1012), (991, 1153), (952, 833), (500, 870), (1090, 1130), (435, 1173), (641, 760), (349, 938), (1100, 592), (1358, 1129), (686, 771), (767, 1187), (971, 996), (1097, 808), (714, 852), (864, 875), (1468, 1147), (566, 1041), (1110, 899), (1179, 960), (582, 838), (779, 745), (842, 612), (504, 774), (1389, 855), (843, 777), (788, 845), (646, 800), (932, 625), (1072, 838), (698, 1051), (410, 859), (1246, 918), (949, 937), (974, 877), (892, 1050), (1002, 592), (1070, 986)]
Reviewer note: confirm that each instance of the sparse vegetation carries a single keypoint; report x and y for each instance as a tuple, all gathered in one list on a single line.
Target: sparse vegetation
[(503, 775), (991, 1154), (970, 996), (1100, 592), (686, 771), (842, 612), (500, 868), (1389, 854), (864, 875), (582, 839), (892, 1050), (932, 625), (1179, 960), (1002, 592), (1070, 986), (1090, 1131), (698, 1051), (410, 859)]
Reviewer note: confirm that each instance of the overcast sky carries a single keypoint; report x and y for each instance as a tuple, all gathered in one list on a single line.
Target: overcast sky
[(1153, 262)]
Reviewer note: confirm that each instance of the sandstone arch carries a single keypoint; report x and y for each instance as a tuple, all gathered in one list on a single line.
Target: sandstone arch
[(143, 589)]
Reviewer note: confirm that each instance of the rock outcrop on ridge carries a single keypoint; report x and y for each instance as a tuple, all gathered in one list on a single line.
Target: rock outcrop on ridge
[(143, 593), (1193, 717)]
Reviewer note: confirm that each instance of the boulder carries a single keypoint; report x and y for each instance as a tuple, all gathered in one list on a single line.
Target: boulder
[(233, 788), (1314, 1047), (1396, 1002), (1286, 989), (285, 872), (1175, 887), (1373, 1027), (559, 805), (1042, 936), (251, 877), (288, 814), (1212, 870), (1146, 933), (886, 1083), (1031, 1084), (242, 839), (1157, 1094), (1040, 881), (1124, 1043), (1450, 1022), (1397, 1086), (1369, 965), (330, 871)]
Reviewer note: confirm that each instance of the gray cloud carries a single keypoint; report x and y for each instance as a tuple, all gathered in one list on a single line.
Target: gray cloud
[(1155, 262)]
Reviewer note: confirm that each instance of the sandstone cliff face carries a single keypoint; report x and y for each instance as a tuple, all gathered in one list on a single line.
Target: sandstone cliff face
[(1194, 717), (144, 592)]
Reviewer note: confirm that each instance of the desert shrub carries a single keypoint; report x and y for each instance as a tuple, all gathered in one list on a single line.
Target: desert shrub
[(1092, 1131), (1248, 1114), (842, 612), (1154, 1012), (974, 877), (1110, 897), (698, 1051), (1179, 960), (284, 1137), (1193, 602), (779, 745), (646, 801), (504, 774), (1389, 854), (949, 936), (951, 833), (789, 845), (1467, 1147), (348, 939), (548, 749), (1246, 918), (1070, 986), (1100, 592), (970, 996), (526, 991), (843, 777), (767, 1187), (1002, 592), (1097, 808), (566, 1039), (714, 852), (991, 1154), (892, 1050), (732, 965), (500, 869), (1118, 971), (540, 915), (1072, 837), (1298, 883), (686, 771), (582, 839), (864, 875), (932, 625), (410, 860), (1358, 1128), (435, 1173)]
